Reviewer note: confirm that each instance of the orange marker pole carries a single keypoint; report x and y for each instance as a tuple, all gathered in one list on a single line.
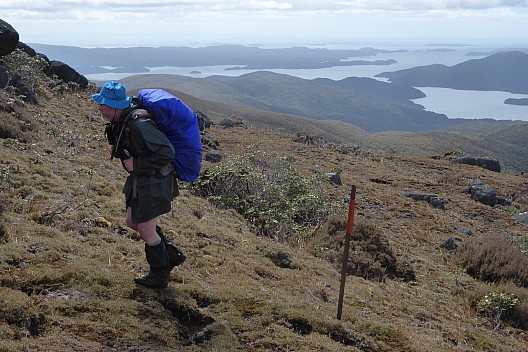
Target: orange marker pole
[(350, 223)]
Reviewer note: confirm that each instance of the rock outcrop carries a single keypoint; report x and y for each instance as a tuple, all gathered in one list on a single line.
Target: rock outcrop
[(65, 73), (10, 79), (8, 38)]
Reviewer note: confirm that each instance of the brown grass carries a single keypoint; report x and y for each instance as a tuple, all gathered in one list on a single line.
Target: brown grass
[(66, 284), (494, 258)]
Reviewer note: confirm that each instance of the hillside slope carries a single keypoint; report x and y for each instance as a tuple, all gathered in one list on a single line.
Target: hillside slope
[(488, 138), (67, 260)]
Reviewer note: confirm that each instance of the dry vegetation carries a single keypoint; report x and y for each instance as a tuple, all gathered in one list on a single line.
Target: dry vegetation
[(67, 260)]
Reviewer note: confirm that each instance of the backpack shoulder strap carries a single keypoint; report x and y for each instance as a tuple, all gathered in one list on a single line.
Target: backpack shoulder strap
[(135, 115)]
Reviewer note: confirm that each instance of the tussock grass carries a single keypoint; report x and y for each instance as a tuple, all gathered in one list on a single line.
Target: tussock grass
[(495, 259)]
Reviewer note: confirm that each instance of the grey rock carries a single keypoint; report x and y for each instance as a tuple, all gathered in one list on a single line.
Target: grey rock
[(66, 73), (521, 218), (432, 199), (482, 193), (451, 244), (334, 178), (486, 163), (213, 156), (465, 231)]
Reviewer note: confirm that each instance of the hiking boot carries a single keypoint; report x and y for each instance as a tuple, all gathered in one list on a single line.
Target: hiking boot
[(176, 255), (159, 274), (154, 279)]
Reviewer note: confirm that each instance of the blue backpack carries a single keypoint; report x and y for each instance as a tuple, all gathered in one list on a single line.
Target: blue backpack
[(179, 123)]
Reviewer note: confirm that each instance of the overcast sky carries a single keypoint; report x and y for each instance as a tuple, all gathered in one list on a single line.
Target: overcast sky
[(266, 22)]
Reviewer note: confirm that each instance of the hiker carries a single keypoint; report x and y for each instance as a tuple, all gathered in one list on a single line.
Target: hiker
[(146, 154)]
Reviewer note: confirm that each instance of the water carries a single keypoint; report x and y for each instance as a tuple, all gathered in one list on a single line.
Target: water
[(472, 104), (451, 102)]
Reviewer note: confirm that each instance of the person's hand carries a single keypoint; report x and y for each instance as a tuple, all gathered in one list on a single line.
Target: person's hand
[(129, 164)]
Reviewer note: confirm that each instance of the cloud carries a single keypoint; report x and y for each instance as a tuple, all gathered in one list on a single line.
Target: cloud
[(257, 21), (65, 7), (267, 5), (414, 5)]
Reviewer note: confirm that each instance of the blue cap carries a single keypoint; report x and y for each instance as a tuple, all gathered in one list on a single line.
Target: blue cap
[(113, 94)]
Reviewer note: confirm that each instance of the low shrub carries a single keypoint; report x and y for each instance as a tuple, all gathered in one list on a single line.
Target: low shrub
[(515, 315), (30, 68), (370, 254), (494, 304), (493, 258), (281, 257), (15, 121), (268, 192)]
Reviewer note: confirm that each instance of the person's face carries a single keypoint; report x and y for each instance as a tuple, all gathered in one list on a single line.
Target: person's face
[(108, 114)]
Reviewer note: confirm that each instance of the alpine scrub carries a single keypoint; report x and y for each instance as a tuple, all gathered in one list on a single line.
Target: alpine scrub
[(268, 192)]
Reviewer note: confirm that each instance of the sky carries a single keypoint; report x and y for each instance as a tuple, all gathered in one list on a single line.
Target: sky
[(122, 23)]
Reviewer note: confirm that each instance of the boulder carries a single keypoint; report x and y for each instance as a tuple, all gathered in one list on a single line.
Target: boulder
[(209, 140), (228, 123), (66, 73), (27, 49), (334, 178), (8, 38), (486, 163), (203, 121), (5, 74), (521, 218), (465, 231), (482, 193), (213, 156), (468, 160), (432, 199), (451, 243), (489, 164)]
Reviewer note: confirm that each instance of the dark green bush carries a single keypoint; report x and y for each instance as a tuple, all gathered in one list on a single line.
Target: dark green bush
[(516, 316), (268, 192)]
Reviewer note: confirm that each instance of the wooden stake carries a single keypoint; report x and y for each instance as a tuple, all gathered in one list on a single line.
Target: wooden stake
[(349, 227)]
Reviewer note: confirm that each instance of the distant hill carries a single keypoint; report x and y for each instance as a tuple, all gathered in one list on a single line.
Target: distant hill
[(369, 104), (138, 59), (502, 71)]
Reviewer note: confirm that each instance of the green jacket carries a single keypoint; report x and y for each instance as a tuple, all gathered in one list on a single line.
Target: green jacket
[(150, 147), (151, 187)]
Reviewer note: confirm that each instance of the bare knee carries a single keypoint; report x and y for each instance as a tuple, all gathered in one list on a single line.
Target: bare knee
[(129, 221), (131, 225)]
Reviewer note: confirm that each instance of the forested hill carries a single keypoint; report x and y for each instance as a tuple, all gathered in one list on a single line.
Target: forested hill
[(387, 108), (503, 71)]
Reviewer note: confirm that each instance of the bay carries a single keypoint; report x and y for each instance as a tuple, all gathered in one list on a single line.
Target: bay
[(472, 104)]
